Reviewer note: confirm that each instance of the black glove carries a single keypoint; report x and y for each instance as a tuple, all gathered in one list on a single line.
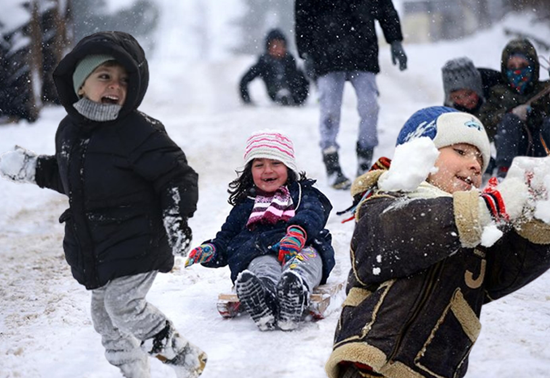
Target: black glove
[(398, 54)]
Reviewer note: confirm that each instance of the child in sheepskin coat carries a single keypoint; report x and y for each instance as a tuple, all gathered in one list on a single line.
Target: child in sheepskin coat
[(274, 239), (429, 250)]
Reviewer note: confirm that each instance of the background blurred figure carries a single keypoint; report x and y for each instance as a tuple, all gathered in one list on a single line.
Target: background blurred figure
[(338, 39), (466, 88), (286, 84), (522, 125)]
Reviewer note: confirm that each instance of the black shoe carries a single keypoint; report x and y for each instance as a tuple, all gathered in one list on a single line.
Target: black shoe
[(254, 296), (336, 178), (293, 298), (364, 159)]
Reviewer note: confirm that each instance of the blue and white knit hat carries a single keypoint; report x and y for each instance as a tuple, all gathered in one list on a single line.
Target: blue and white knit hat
[(447, 126), (271, 144)]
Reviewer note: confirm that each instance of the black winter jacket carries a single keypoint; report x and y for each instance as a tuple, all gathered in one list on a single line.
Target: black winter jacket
[(418, 283), (341, 35), (237, 245), (119, 175), (503, 98)]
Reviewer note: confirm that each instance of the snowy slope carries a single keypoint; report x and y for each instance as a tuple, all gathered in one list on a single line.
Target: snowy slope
[(45, 327)]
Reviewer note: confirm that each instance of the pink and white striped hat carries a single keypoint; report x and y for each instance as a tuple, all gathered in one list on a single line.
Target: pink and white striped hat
[(271, 144)]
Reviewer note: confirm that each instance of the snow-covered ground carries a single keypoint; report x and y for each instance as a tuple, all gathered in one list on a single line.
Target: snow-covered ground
[(45, 327)]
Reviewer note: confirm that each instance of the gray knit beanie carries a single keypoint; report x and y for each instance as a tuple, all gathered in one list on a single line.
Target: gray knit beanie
[(86, 66), (460, 73)]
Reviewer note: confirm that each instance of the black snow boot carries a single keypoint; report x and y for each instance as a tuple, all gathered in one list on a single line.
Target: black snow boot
[(336, 178), (187, 360), (257, 299), (364, 159), (293, 298)]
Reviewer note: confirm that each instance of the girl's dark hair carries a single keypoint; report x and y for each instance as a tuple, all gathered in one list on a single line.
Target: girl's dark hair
[(243, 185)]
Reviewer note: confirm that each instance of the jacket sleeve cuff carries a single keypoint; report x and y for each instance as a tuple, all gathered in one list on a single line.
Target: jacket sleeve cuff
[(536, 231), (470, 217)]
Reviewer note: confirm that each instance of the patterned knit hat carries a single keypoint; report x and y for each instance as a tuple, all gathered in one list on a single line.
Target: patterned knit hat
[(447, 126), (271, 144), (458, 74), (86, 66)]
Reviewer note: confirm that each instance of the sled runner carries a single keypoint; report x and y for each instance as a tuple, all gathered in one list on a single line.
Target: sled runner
[(229, 305)]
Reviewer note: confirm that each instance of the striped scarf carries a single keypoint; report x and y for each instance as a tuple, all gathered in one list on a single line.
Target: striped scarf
[(269, 208)]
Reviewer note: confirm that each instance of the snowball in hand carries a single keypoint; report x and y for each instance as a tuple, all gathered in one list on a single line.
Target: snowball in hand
[(537, 172), (410, 166)]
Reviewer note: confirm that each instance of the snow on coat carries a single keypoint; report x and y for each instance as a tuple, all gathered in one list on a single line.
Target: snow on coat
[(415, 291)]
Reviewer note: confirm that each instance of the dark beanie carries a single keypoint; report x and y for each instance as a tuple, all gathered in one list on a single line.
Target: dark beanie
[(460, 73), (274, 34)]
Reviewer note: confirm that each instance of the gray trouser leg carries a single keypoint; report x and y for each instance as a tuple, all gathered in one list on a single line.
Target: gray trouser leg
[(366, 90), (268, 269), (331, 90), (309, 265), (123, 318)]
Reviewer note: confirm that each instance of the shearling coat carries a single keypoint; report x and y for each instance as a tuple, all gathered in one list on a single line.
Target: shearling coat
[(120, 176), (341, 35), (419, 279), (237, 245)]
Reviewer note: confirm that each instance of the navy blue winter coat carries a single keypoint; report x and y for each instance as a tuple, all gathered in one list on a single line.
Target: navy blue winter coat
[(119, 175), (237, 245)]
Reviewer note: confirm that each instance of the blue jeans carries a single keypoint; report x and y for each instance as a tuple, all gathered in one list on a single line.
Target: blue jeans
[(331, 91)]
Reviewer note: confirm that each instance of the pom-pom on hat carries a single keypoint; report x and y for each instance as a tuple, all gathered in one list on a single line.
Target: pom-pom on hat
[(271, 144), (460, 73), (86, 66), (447, 126)]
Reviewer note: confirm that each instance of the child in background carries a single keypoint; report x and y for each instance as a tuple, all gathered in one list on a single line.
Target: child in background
[(522, 128), (130, 193), (420, 272), (286, 84), (274, 239)]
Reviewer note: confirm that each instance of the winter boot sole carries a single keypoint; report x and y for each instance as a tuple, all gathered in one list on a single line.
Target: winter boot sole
[(252, 295), (293, 298)]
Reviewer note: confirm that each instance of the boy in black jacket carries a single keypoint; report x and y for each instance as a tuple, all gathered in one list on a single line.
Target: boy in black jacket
[(285, 83), (130, 193)]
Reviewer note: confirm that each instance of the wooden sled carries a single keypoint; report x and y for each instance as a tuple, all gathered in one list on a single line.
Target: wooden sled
[(229, 305)]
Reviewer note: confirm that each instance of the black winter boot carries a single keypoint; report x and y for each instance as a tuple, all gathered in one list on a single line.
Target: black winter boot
[(293, 298), (364, 159), (257, 299), (336, 178)]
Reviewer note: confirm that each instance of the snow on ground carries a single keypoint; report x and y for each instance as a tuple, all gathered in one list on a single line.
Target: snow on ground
[(45, 327)]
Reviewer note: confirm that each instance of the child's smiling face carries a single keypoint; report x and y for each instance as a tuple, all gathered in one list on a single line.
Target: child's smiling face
[(107, 84), (268, 174), (459, 168)]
